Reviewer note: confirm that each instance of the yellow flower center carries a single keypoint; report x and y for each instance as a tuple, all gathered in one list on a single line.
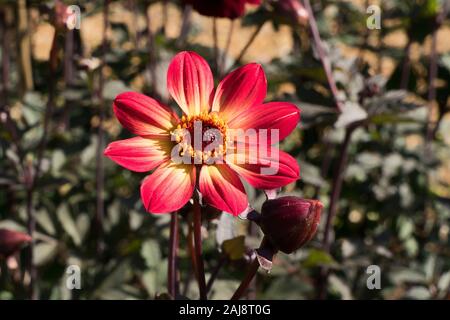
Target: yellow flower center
[(201, 137)]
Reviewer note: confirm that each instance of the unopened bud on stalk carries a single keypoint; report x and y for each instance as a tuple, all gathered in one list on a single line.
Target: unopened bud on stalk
[(12, 241), (290, 222)]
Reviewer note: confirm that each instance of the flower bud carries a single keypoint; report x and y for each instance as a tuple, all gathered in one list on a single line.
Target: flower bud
[(290, 222), (231, 9), (12, 241)]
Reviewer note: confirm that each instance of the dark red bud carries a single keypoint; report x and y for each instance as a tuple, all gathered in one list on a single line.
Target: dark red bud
[(290, 222), (231, 9), (12, 241)]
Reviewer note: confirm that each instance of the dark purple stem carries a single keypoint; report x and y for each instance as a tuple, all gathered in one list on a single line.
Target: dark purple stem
[(247, 45), (151, 67), (100, 174), (227, 48), (33, 175), (185, 25), (215, 45), (251, 272), (173, 256), (406, 67), (338, 179), (164, 17), (430, 132), (222, 261), (323, 57), (198, 249)]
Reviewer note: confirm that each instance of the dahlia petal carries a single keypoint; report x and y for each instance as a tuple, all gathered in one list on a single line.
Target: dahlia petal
[(241, 89), (143, 115), (139, 154), (190, 82), (281, 116), (168, 188), (222, 188), (272, 170)]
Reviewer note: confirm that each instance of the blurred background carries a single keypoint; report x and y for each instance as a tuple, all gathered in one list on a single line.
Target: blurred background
[(373, 146)]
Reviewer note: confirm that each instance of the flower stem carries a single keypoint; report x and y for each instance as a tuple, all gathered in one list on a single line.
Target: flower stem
[(338, 179), (33, 174), (247, 45), (185, 25), (227, 49), (215, 45), (323, 57), (191, 249), (222, 261), (151, 47), (165, 14), (433, 70), (173, 256), (247, 280), (198, 249), (406, 66), (100, 175), (26, 68)]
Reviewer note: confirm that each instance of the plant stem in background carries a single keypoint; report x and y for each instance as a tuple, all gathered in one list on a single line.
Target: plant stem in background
[(151, 66), (26, 69), (173, 256), (185, 25), (326, 162), (251, 272), (191, 248), (323, 57), (251, 292), (69, 51), (198, 248), (247, 45), (215, 45), (68, 57), (223, 60), (164, 9), (134, 26), (430, 132), (5, 116), (338, 179), (100, 174), (406, 66), (222, 261), (4, 26), (330, 78), (32, 175)]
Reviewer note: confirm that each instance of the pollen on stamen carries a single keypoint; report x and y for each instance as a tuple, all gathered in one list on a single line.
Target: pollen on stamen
[(184, 136)]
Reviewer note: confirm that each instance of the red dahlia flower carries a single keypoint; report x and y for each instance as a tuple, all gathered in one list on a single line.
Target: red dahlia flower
[(164, 140), (231, 9)]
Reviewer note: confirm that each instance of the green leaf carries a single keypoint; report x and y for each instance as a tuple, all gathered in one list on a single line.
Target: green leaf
[(352, 112), (68, 224), (234, 248), (45, 221), (318, 258), (338, 284), (226, 228), (151, 253), (44, 252), (419, 293), (113, 88)]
